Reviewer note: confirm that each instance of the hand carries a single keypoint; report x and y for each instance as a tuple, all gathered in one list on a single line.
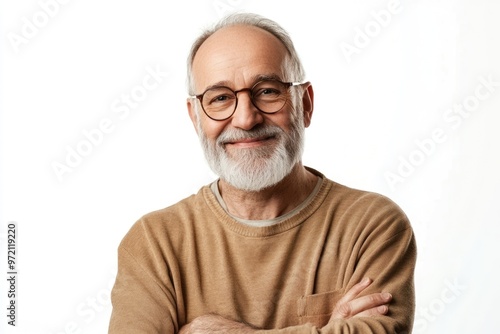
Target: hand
[(366, 306), (211, 323)]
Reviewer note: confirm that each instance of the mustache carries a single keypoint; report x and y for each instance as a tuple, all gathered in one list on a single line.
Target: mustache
[(231, 135)]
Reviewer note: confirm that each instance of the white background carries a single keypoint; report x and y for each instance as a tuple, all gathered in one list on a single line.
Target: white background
[(375, 113)]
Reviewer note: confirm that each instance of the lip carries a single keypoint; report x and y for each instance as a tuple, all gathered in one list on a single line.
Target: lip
[(250, 142)]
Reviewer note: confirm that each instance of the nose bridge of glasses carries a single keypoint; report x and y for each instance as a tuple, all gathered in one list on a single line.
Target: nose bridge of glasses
[(250, 96), (249, 90)]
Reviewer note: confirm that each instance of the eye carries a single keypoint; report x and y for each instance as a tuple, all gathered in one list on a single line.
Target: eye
[(220, 98), (268, 91), (267, 94)]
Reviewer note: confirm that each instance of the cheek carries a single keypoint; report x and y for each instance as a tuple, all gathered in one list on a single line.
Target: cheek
[(211, 128), (283, 119)]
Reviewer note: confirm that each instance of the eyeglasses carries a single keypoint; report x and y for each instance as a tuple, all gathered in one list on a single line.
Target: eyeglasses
[(268, 96)]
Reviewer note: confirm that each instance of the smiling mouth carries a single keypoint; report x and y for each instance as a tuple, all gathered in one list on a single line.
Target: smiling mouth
[(250, 142)]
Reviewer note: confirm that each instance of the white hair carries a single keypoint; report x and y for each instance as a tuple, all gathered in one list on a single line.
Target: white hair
[(293, 66)]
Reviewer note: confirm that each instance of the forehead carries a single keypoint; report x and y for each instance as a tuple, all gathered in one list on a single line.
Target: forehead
[(236, 55)]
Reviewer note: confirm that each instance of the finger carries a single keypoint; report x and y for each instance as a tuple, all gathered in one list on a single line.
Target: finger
[(371, 301), (355, 290), (356, 306), (373, 312)]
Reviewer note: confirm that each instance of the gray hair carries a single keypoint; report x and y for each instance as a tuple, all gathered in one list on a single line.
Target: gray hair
[(293, 66)]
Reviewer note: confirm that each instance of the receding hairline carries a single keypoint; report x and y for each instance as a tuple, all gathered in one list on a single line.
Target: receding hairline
[(205, 37), (265, 40), (257, 22), (224, 29)]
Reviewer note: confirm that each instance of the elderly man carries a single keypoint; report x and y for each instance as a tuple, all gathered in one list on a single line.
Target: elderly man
[(271, 246)]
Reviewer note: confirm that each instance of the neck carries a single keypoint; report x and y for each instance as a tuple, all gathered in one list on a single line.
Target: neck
[(271, 202)]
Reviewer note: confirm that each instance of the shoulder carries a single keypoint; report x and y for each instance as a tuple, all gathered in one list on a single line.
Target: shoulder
[(364, 211), (362, 201), (353, 200)]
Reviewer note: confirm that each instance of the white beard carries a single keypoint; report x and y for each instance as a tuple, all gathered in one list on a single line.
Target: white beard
[(254, 169)]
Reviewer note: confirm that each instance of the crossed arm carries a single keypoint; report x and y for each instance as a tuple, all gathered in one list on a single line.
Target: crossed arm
[(148, 298), (349, 306)]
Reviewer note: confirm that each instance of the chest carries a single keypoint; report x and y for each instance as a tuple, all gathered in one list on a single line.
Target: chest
[(268, 282)]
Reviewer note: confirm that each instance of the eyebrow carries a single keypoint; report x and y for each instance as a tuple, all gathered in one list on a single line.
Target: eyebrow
[(254, 79)]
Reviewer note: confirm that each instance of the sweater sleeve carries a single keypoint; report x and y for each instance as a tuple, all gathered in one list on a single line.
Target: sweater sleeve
[(143, 303), (387, 254)]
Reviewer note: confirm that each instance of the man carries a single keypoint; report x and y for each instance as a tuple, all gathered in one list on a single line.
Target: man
[(272, 246)]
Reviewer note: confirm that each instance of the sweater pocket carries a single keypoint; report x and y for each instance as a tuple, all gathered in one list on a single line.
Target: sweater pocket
[(317, 309)]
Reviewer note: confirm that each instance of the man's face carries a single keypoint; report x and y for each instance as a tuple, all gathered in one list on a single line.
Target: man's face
[(250, 150)]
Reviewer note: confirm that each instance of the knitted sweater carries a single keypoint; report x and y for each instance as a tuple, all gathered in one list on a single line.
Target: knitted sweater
[(192, 259)]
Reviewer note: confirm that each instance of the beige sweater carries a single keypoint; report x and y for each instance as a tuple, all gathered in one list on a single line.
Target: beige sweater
[(191, 259)]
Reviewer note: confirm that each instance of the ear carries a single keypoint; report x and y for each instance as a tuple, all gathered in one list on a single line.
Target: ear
[(190, 102), (308, 103)]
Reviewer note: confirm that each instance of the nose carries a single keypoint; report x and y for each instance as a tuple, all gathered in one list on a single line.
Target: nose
[(246, 116)]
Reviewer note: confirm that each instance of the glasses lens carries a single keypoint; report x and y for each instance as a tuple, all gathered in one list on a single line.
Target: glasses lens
[(270, 95), (219, 103)]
